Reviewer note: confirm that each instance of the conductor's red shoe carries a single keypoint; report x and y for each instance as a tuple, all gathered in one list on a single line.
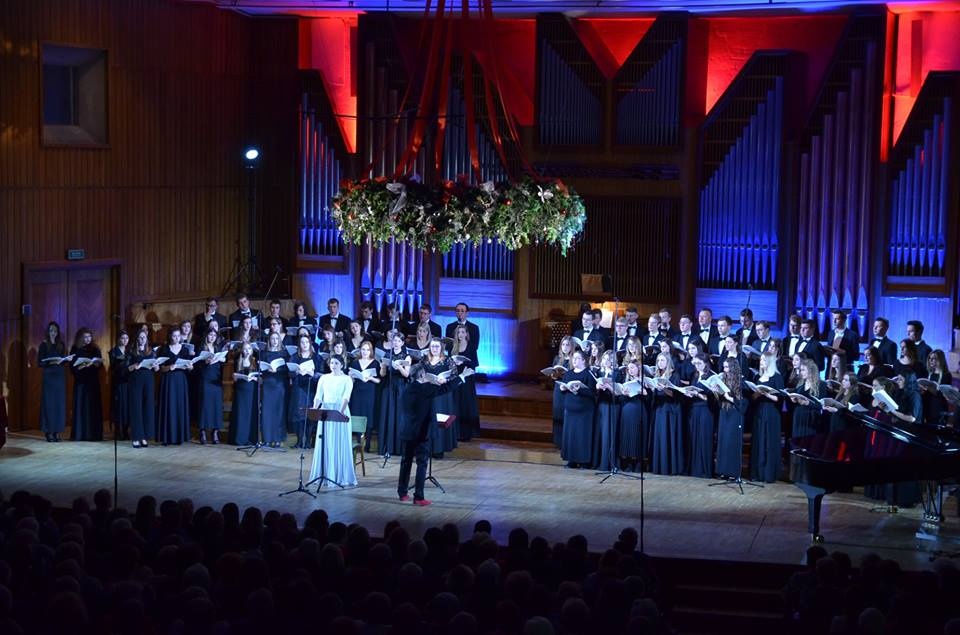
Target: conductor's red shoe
[(404, 498), (423, 502)]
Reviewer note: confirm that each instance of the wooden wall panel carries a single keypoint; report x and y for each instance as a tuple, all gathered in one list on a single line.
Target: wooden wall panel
[(188, 87)]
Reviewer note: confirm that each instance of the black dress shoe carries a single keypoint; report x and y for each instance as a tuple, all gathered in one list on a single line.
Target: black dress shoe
[(49, 438), (56, 438), (216, 437)]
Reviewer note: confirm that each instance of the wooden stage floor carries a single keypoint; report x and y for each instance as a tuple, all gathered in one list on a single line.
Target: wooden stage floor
[(508, 483)]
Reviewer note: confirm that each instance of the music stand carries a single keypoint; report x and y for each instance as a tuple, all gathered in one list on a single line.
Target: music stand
[(303, 445), (259, 445), (323, 416), (446, 423), (738, 480)]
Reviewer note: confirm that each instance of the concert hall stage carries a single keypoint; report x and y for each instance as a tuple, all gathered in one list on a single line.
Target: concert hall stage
[(510, 483)]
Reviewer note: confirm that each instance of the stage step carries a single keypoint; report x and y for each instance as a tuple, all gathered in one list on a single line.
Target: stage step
[(514, 399), (516, 428)]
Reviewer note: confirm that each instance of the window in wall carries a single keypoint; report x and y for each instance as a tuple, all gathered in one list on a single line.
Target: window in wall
[(74, 95)]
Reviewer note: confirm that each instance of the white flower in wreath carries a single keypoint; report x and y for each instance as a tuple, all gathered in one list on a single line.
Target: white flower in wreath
[(545, 195)]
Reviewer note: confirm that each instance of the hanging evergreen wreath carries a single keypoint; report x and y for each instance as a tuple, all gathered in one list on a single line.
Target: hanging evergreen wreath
[(436, 218)]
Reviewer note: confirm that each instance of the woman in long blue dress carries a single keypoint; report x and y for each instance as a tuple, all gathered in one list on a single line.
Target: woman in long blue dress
[(766, 443), (303, 383), (807, 413), (562, 358), (394, 372), (730, 422), (246, 397), (701, 419), (141, 391), (274, 408), (634, 420), (669, 450), (210, 381), (87, 418), (174, 421), (119, 357), (53, 391), (578, 412), (363, 397), (465, 397)]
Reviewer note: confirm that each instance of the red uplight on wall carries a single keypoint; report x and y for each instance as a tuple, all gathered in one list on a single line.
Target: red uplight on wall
[(328, 45)]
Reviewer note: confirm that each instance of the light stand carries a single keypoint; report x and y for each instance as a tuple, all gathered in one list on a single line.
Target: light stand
[(244, 276)]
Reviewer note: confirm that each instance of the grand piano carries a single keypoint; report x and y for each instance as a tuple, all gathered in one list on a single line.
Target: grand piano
[(874, 451)]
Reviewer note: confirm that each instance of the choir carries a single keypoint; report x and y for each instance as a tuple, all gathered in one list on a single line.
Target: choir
[(680, 400), (280, 368)]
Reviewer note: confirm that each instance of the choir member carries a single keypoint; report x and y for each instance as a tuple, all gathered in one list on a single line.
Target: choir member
[(631, 315), (618, 341), (843, 339), (593, 354), (765, 423), (910, 360), (606, 430), (339, 347), (809, 344), (650, 339), (733, 407), (909, 404), (275, 325), (706, 330), (141, 391), (792, 341), (686, 334), (435, 361), (53, 406), (669, 451), (747, 334), (425, 313), (701, 418), (462, 311), (634, 351), (666, 328), (578, 407), (837, 368), (873, 366), (334, 454), (934, 403), (909, 410), (326, 337), (465, 399), (339, 322), (245, 331), (363, 399), (275, 379), (562, 358), (244, 414), (597, 317), (302, 385), (421, 339), (186, 333), (394, 371), (763, 341), (274, 312), (806, 415), (243, 311), (174, 419), (794, 378), (300, 316), (731, 351), (119, 357), (718, 343), (87, 418), (210, 314), (369, 323), (687, 370), (193, 376), (210, 380), (847, 394), (355, 337), (587, 332), (634, 421), (886, 347), (915, 335)]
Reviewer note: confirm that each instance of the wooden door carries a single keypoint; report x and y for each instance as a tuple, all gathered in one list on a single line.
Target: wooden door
[(81, 296)]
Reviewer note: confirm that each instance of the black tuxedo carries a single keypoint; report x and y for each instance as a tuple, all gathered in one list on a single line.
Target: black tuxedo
[(887, 349), (848, 344), (371, 324), (634, 330), (813, 350), (790, 341), (596, 335), (201, 323), (750, 338), (762, 345), (472, 329), (712, 334), (434, 328), (670, 332), (645, 340), (415, 425), (684, 340), (238, 315), (342, 326)]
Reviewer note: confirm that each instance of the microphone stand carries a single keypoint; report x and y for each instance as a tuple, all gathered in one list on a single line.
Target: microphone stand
[(303, 444), (393, 410), (613, 417), (324, 414), (259, 445)]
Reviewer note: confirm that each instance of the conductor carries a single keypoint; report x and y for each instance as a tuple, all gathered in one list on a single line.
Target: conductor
[(415, 427)]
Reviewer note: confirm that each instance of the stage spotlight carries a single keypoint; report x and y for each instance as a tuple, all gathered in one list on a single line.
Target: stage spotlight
[(251, 154)]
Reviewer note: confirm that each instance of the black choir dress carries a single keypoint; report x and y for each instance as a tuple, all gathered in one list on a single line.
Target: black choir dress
[(934, 403), (302, 389), (87, 420), (904, 493), (391, 389), (173, 426), (209, 378), (120, 391), (634, 430), (701, 423), (766, 443), (273, 411), (917, 369), (558, 397), (669, 451), (363, 398), (465, 399), (578, 417), (444, 439), (807, 418), (142, 402), (246, 403), (730, 437), (53, 391), (606, 431)]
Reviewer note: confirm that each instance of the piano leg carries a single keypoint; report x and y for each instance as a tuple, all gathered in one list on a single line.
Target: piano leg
[(814, 502)]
